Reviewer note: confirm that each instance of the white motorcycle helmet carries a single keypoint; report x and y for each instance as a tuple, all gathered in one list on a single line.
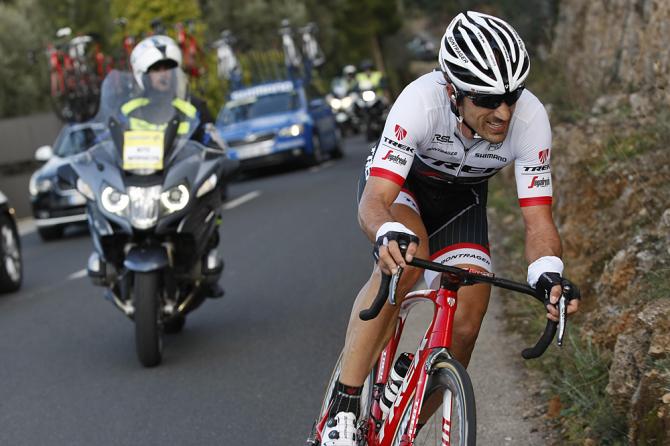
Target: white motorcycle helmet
[(483, 54), (150, 51)]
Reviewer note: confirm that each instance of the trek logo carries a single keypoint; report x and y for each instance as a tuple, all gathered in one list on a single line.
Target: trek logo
[(400, 132), (536, 168), (455, 165), (444, 139), (544, 182), (543, 156), (394, 158), (397, 145), (493, 147)]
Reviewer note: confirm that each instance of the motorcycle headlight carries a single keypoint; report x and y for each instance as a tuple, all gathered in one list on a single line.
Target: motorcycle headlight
[(175, 199), (208, 185), (293, 130), (346, 102), (369, 96), (144, 206), (335, 103), (35, 186), (114, 201), (85, 189)]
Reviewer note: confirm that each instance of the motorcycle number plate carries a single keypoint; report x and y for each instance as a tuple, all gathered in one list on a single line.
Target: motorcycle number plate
[(143, 149)]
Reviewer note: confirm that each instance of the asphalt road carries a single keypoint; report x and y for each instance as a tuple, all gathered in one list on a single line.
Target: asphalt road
[(248, 369)]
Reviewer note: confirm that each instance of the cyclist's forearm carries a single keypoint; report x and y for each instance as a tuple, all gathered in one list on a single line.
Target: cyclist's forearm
[(371, 215), (542, 242)]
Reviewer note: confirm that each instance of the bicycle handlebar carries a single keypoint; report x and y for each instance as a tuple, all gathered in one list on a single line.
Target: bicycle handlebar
[(463, 277)]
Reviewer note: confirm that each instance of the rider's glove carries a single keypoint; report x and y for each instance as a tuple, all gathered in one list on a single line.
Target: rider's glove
[(393, 230), (543, 274)]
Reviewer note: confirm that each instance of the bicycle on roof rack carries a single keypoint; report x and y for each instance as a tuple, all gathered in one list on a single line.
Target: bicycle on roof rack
[(435, 402)]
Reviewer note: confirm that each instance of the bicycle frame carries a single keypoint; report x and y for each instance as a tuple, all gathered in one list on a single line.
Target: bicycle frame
[(434, 345)]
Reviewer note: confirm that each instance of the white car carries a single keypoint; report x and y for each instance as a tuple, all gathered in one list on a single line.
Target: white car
[(11, 265)]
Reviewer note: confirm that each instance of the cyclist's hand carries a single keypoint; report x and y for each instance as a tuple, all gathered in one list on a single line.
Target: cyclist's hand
[(550, 287), (387, 250)]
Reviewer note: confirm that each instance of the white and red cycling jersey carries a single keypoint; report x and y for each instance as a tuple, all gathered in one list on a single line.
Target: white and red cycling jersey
[(421, 135)]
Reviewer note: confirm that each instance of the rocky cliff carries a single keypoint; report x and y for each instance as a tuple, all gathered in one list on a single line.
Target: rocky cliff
[(612, 182)]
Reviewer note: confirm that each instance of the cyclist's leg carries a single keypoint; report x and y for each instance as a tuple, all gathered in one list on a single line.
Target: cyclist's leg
[(472, 304), (463, 241), (366, 340)]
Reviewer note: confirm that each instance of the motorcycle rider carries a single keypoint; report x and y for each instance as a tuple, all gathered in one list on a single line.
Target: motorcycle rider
[(349, 76), (153, 62), (369, 78)]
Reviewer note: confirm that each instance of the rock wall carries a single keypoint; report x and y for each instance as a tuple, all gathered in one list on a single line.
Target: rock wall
[(612, 182), (615, 43)]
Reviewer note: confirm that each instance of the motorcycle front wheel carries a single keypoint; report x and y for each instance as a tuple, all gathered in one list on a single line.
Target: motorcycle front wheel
[(148, 336)]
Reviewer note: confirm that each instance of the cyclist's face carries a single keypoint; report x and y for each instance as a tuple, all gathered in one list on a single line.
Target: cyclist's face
[(490, 124), (160, 78)]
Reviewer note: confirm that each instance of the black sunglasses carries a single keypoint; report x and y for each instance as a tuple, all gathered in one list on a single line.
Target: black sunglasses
[(493, 101)]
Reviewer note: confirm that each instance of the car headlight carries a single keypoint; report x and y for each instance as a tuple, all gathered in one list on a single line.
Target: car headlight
[(293, 130), (346, 102), (114, 201), (85, 189), (335, 103), (208, 185), (369, 96), (175, 199), (144, 206), (35, 186)]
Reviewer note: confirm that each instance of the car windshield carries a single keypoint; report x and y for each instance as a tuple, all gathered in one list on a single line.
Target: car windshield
[(256, 107), (76, 140)]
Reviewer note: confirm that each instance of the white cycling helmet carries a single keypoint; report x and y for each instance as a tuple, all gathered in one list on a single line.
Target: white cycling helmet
[(480, 53), (150, 51)]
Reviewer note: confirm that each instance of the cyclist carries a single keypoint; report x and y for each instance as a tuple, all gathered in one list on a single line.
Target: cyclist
[(425, 183)]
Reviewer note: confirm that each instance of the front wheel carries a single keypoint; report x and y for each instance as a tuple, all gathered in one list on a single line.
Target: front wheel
[(448, 411), (148, 340), (11, 265)]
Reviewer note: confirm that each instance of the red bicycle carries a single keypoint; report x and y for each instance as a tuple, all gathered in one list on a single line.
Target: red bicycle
[(193, 57), (435, 402)]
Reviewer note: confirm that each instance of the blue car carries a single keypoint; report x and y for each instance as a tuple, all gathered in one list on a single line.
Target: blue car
[(277, 122)]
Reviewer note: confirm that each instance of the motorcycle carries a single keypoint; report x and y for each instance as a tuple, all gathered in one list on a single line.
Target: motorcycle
[(154, 208), (373, 109), (342, 102)]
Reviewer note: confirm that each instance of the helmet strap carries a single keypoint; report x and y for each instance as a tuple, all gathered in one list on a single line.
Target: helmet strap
[(459, 118)]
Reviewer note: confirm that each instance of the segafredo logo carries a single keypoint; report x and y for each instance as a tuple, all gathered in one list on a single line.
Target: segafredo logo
[(543, 156), (400, 132)]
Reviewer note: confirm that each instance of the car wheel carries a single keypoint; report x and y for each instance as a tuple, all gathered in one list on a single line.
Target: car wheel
[(50, 233), (316, 156), (337, 152), (11, 265)]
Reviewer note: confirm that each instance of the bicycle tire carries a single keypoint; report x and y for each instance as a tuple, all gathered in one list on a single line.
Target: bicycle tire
[(448, 377)]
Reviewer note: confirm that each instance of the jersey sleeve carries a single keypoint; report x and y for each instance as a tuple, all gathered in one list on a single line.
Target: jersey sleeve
[(405, 128), (532, 166)]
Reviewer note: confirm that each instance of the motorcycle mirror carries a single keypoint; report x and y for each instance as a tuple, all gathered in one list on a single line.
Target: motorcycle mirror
[(67, 175)]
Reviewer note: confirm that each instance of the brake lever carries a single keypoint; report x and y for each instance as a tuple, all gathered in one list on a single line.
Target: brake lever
[(395, 278), (562, 320)]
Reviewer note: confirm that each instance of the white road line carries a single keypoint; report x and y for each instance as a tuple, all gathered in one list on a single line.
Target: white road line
[(241, 200), (77, 275), (26, 226)]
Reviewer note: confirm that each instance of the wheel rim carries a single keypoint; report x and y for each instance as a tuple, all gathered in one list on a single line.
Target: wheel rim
[(12, 256)]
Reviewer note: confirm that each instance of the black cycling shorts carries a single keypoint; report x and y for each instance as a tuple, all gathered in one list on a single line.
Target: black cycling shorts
[(454, 216)]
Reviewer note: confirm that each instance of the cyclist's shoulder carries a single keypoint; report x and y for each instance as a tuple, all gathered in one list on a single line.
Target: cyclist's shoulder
[(426, 93), (529, 109)]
